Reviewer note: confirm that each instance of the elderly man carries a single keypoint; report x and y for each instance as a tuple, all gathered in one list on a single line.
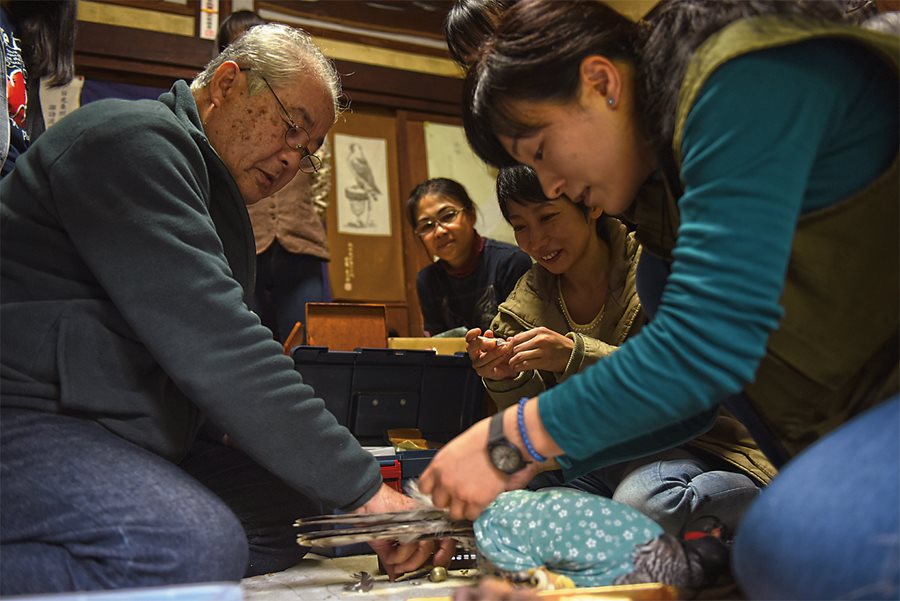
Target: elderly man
[(127, 258)]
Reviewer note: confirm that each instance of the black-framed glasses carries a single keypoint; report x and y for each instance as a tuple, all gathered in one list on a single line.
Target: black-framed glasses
[(295, 137), (445, 218)]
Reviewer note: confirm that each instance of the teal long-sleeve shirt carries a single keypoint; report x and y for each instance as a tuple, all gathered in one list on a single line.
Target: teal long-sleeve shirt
[(773, 134)]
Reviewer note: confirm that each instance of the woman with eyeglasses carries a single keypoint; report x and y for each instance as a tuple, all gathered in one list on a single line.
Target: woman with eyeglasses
[(471, 275)]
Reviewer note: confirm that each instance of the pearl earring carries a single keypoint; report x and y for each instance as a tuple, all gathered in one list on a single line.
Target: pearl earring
[(611, 101)]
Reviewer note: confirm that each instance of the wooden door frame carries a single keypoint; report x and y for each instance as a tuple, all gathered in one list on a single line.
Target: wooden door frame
[(413, 171)]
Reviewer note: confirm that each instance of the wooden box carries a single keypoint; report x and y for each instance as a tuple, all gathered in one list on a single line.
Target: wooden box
[(346, 326), (442, 346)]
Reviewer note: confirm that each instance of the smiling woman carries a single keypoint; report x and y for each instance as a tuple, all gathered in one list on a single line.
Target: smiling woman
[(575, 307), (471, 275)]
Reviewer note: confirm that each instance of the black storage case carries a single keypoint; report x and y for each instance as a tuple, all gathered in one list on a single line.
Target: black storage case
[(372, 390)]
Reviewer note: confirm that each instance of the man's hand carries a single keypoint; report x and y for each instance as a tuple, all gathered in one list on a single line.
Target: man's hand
[(490, 356), (540, 348), (397, 558)]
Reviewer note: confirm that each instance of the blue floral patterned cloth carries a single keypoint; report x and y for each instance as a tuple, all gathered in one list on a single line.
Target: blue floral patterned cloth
[(588, 538)]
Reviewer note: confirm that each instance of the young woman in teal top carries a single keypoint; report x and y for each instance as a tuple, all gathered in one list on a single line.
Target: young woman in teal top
[(767, 131)]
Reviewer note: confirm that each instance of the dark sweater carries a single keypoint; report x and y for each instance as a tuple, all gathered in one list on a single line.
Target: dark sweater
[(471, 301), (126, 257)]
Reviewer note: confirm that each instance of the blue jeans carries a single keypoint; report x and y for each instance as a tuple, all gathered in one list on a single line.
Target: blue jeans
[(681, 491), (285, 282), (84, 509), (828, 527), (676, 488)]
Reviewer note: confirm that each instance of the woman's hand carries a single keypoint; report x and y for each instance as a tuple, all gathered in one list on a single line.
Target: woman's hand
[(397, 558), (540, 348), (490, 356), (462, 478)]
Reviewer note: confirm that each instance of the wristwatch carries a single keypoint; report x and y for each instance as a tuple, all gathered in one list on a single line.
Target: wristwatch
[(504, 455)]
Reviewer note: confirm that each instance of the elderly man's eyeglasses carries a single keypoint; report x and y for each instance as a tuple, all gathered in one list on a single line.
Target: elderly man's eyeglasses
[(295, 137), (429, 226)]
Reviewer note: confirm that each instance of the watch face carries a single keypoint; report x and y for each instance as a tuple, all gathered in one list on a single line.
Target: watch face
[(506, 458)]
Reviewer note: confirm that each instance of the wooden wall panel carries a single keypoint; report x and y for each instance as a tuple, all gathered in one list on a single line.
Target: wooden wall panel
[(413, 171), (149, 58), (365, 267), (395, 16)]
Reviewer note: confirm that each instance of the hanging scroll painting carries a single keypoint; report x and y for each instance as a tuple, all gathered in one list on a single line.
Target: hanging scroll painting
[(363, 203)]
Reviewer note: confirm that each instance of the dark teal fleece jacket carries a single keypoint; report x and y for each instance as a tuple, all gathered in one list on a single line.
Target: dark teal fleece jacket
[(126, 254)]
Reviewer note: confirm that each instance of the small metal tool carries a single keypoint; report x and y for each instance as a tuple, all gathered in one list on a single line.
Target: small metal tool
[(363, 584)]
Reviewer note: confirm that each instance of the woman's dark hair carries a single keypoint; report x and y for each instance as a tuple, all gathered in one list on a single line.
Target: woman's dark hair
[(47, 31), (535, 54), (237, 23), (440, 186), (537, 48), (469, 23), (520, 184), (674, 29)]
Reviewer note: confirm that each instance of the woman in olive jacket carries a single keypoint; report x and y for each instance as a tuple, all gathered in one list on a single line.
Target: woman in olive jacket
[(577, 305)]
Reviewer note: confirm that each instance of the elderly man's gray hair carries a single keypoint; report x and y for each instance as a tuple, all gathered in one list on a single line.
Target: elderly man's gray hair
[(279, 54)]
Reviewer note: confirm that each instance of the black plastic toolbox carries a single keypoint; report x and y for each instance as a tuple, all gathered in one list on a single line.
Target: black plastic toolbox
[(373, 390)]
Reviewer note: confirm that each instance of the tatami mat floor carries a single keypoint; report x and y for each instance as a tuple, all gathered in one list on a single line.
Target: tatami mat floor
[(318, 578)]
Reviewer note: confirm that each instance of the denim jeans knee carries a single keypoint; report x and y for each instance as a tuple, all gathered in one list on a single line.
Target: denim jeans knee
[(94, 511), (811, 536), (676, 488)]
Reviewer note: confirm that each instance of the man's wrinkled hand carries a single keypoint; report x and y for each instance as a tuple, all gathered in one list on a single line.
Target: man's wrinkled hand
[(400, 558)]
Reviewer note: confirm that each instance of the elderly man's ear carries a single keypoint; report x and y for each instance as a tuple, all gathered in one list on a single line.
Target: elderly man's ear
[(222, 85), (224, 81)]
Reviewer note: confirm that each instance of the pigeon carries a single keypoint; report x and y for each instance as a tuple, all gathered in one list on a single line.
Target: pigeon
[(591, 540)]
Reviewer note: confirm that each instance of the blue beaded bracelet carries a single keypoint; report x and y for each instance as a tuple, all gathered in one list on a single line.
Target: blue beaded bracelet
[(528, 446)]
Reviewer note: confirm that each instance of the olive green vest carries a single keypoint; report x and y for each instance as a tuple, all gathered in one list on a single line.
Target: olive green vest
[(835, 352)]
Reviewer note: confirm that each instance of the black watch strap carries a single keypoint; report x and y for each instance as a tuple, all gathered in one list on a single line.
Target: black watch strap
[(503, 454), (495, 431)]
